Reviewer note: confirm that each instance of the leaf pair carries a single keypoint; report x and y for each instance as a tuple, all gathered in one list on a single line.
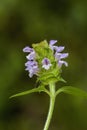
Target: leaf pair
[(66, 89)]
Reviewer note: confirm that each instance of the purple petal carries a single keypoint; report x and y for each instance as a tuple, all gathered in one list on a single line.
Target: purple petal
[(31, 63), (32, 68), (31, 56), (27, 49), (59, 49), (31, 74), (52, 42), (64, 55), (33, 71), (46, 63), (60, 63), (47, 67), (59, 56), (28, 63)]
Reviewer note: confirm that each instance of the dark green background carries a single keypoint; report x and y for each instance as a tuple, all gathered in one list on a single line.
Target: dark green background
[(23, 22)]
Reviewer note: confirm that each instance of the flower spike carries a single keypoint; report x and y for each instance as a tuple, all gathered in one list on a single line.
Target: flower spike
[(45, 59)]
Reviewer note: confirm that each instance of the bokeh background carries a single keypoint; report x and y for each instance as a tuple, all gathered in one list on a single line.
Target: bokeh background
[(23, 22)]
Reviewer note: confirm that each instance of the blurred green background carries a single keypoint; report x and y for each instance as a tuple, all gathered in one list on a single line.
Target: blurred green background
[(23, 22)]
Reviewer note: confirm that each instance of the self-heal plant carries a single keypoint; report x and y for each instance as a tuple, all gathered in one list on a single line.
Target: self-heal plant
[(45, 60)]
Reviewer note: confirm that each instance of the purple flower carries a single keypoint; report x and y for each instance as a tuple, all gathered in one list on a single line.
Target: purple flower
[(32, 68), (31, 64), (61, 62), (59, 57), (31, 56), (55, 48), (46, 63), (57, 53), (58, 49), (28, 49), (51, 43)]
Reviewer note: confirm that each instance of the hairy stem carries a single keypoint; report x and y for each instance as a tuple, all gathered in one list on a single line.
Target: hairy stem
[(51, 106)]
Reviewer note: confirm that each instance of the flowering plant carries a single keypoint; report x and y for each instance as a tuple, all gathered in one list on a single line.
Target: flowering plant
[(45, 61)]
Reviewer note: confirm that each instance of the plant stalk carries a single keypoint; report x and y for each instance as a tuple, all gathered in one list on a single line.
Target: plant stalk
[(51, 106)]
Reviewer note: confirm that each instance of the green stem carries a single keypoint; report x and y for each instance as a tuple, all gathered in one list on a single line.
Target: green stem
[(51, 106)]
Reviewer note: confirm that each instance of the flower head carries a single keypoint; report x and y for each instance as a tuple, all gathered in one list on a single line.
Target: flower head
[(45, 60)]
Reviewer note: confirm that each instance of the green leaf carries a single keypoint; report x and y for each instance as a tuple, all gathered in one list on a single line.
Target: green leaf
[(72, 90), (39, 89)]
